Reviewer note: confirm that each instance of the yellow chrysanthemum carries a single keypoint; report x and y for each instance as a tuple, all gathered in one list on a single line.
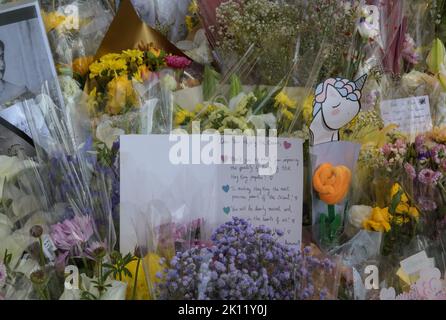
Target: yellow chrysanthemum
[(282, 99), (379, 220), (152, 264), (120, 94), (52, 20), (110, 57), (182, 116), (96, 68), (133, 56), (115, 67), (307, 109)]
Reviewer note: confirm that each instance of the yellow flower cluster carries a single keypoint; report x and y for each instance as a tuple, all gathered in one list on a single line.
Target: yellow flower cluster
[(381, 219), (287, 106), (113, 65), (52, 20), (152, 264), (120, 95), (438, 134)]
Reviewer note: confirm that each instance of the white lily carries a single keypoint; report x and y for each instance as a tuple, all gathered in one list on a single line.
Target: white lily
[(108, 134)]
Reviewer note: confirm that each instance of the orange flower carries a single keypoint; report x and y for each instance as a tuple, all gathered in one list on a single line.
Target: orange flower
[(81, 65), (332, 183)]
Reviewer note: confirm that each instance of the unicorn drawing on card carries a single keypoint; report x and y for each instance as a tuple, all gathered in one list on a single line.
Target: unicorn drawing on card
[(337, 103)]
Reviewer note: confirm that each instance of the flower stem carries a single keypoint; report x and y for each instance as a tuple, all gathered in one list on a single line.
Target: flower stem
[(331, 212), (42, 256), (136, 279)]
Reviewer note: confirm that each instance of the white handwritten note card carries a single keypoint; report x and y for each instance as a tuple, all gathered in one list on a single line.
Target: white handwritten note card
[(412, 115), (234, 186)]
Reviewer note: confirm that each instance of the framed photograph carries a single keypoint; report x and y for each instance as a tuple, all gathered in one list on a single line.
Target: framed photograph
[(26, 64)]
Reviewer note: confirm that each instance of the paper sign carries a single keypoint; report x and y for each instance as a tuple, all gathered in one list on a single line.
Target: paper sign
[(412, 115), (415, 263), (269, 200), (215, 192)]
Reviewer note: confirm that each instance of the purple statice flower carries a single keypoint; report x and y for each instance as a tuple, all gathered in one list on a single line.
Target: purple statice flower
[(177, 62), (72, 233), (410, 171), (429, 177), (3, 274), (438, 153), (426, 204), (244, 262)]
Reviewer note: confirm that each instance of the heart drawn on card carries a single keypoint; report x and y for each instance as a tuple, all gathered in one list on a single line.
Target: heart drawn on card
[(287, 145), (226, 210), (226, 188)]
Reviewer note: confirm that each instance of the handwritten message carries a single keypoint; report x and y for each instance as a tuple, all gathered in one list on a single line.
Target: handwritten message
[(274, 201), (234, 187), (412, 115)]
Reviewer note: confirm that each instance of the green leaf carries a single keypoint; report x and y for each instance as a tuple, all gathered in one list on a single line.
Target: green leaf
[(395, 202), (211, 79), (236, 86), (436, 58)]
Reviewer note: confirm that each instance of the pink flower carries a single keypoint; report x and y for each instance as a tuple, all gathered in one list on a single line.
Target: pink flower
[(72, 233), (177, 62), (386, 149), (429, 177), (410, 170), (438, 153)]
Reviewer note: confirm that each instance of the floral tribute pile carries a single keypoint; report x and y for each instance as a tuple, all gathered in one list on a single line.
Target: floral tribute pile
[(361, 83)]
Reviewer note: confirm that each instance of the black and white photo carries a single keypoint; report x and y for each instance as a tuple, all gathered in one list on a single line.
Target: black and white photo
[(26, 64)]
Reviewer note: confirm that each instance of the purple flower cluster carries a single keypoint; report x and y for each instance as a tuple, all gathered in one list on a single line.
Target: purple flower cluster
[(429, 177), (245, 262)]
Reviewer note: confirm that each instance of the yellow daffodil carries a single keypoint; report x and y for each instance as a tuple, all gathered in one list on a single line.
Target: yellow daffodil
[(282, 99), (397, 188), (379, 220), (152, 264)]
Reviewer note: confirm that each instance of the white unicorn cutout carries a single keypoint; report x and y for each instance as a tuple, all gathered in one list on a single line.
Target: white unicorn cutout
[(337, 103)]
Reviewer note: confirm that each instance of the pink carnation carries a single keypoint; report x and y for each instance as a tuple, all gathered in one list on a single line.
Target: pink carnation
[(177, 62)]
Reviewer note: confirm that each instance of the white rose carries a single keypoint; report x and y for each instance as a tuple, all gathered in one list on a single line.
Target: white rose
[(358, 214)]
